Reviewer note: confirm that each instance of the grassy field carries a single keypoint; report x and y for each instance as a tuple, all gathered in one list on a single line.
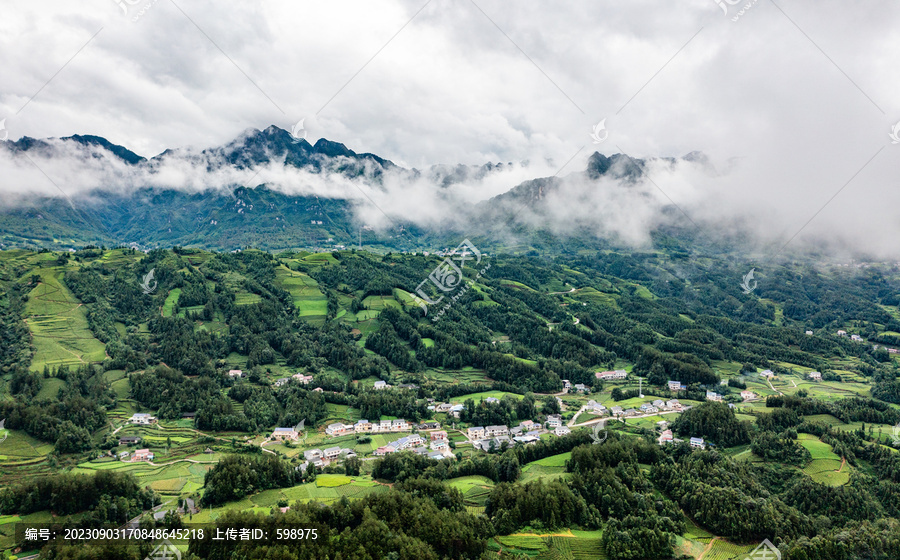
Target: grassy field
[(171, 300), (825, 464), (58, 325)]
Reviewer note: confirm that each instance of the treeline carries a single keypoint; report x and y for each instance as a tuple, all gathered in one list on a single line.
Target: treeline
[(114, 495), (409, 522)]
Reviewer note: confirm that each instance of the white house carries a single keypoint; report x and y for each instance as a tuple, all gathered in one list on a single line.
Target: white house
[(492, 400), (747, 395), (665, 437), (674, 385), (562, 431), (554, 421), (494, 431), (673, 404), (305, 379), (809, 333), (399, 425), (617, 411), (842, 333), (362, 426), (381, 385), (332, 452), (609, 375), (815, 375), (856, 337), (384, 426), (235, 373), (713, 396), (475, 432), (439, 444), (698, 442), (581, 387), (142, 418), (282, 434), (767, 373), (337, 429)]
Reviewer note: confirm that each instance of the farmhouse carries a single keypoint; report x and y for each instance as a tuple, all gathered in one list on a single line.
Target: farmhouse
[(429, 426), (554, 421), (815, 375), (492, 400), (673, 404), (438, 435), (142, 455), (439, 444), (381, 385), (562, 431), (609, 375), (142, 418), (665, 437), (713, 396), (332, 452), (305, 379), (362, 426), (337, 429), (767, 373), (282, 434), (399, 425), (617, 411), (384, 450), (582, 388), (493, 431), (674, 385), (235, 373), (747, 395), (129, 440), (475, 432), (698, 442)]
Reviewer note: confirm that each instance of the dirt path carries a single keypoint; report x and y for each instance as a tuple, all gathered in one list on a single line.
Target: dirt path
[(557, 293), (707, 549), (843, 462)]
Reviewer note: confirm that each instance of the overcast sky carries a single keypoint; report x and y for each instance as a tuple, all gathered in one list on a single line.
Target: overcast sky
[(801, 94)]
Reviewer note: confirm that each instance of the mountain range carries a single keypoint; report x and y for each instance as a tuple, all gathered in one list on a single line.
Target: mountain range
[(213, 200)]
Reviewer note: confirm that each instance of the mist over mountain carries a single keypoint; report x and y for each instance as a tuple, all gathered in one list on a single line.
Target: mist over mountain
[(269, 189)]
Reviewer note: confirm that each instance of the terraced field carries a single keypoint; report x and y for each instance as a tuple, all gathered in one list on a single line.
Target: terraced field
[(309, 300), (566, 545), (58, 325), (825, 464)]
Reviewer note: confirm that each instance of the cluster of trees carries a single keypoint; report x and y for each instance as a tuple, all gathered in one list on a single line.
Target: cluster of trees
[(236, 476), (713, 421), (506, 412), (112, 496)]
